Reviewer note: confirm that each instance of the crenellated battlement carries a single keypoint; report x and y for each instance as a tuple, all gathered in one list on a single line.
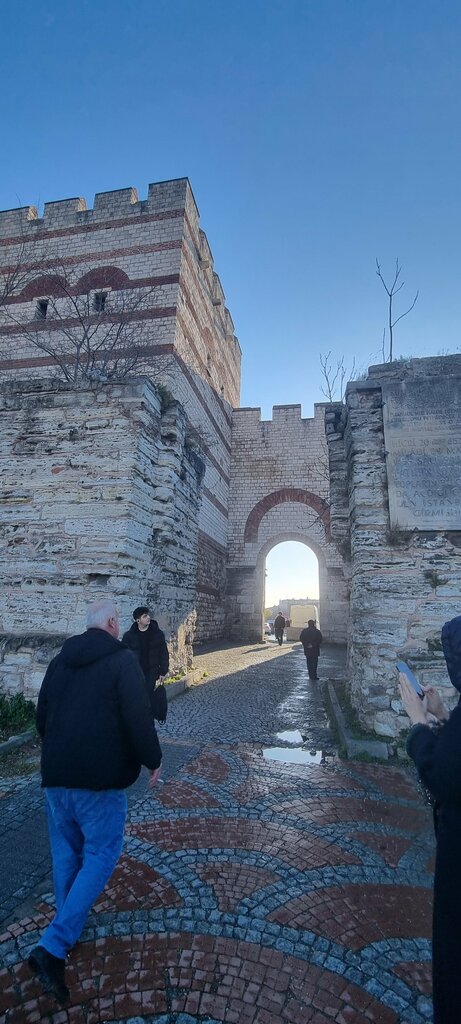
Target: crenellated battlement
[(164, 198), (282, 416)]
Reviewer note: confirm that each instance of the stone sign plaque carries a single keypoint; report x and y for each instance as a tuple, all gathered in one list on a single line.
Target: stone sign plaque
[(422, 433)]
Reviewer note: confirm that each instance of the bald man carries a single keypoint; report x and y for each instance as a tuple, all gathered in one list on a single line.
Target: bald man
[(94, 718)]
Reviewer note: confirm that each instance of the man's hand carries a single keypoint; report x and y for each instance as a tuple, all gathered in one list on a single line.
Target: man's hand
[(154, 777), (415, 708)]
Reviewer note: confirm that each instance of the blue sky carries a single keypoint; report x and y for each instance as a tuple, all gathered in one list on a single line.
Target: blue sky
[(317, 135)]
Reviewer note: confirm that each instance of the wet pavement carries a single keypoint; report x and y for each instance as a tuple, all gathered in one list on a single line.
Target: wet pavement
[(250, 890)]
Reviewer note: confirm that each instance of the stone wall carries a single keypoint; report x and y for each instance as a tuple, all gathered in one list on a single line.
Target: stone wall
[(279, 491), (395, 468), (100, 497), (154, 262)]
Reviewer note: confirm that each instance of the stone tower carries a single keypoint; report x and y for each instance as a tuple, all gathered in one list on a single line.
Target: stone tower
[(150, 259)]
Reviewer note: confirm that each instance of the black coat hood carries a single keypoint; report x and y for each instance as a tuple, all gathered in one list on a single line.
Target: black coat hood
[(451, 643), (85, 648)]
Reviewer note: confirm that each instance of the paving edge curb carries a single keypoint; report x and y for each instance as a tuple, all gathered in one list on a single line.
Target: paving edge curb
[(174, 689), (374, 748), (17, 741)]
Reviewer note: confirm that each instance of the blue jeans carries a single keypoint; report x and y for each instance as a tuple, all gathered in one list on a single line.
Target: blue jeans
[(86, 838)]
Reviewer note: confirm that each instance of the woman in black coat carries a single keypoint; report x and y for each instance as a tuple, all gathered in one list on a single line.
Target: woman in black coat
[(437, 755)]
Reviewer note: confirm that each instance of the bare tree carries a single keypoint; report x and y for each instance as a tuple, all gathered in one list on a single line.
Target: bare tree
[(92, 334), (16, 273), (391, 291), (335, 375)]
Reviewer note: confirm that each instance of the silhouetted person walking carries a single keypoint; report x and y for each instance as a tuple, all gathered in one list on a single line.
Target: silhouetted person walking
[(311, 638), (279, 626)]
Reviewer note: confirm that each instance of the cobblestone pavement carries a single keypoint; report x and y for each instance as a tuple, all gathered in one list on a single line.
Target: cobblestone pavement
[(249, 890)]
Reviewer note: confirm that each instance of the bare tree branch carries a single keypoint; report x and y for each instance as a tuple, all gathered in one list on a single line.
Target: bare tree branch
[(391, 292), (335, 375)]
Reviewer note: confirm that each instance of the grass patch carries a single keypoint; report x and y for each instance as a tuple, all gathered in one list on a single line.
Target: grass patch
[(174, 679), (16, 715)]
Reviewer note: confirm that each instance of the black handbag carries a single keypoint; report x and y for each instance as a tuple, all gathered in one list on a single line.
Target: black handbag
[(159, 703)]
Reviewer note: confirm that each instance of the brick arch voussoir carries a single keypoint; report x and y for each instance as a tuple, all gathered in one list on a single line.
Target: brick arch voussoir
[(44, 284), (103, 277), (292, 494)]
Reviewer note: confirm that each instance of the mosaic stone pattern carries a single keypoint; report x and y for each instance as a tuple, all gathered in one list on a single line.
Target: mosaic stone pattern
[(252, 893)]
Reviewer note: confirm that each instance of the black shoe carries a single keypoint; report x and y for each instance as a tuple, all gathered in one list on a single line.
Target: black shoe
[(50, 972)]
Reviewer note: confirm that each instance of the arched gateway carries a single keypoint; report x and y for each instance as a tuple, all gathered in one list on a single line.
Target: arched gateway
[(279, 492)]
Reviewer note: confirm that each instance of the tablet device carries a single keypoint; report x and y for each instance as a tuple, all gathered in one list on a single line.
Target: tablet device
[(403, 667)]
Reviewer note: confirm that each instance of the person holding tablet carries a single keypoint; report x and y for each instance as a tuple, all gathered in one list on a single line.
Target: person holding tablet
[(437, 756)]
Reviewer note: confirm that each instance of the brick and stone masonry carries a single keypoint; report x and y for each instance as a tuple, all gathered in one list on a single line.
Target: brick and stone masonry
[(279, 492), (395, 484), (152, 256), (100, 495)]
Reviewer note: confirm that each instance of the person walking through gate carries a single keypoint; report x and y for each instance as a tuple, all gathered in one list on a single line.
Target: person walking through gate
[(94, 718), (311, 638), (279, 626), (437, 756), (148, 644)]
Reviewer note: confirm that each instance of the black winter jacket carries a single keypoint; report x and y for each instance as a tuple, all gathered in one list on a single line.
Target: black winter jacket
[(437, 755), (159, 659), (93, 716), (311, 638)]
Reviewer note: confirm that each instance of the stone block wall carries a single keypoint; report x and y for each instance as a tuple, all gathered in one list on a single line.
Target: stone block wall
[(100, 497), (279, 491), (154, 261), (405, 582)]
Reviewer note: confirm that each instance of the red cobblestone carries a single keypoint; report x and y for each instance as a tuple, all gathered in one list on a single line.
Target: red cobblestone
[(393, 781), (135, 884), (185, 795), (239, 982), (391, 848), (234, 882), (294, 847), (289, 990), (328, 811), (356, 915), (416, 975), (209, 766)]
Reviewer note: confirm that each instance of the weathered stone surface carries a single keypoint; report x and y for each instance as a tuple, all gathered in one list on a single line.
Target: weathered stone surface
[(422, 431), (69, 552), (148, 253), (404, 581), (279, 492)]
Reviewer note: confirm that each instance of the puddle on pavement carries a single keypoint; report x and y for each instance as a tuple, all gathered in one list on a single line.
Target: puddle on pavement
[(293, 755), (294, 752), (291, 736)]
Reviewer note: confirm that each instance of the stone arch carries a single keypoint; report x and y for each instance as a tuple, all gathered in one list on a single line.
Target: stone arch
[(281, 538), (264, 529), (292, 494)]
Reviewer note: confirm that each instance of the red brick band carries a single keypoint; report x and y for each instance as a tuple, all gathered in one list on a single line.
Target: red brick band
[(86, 227), (217, 504), (295, 494)]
